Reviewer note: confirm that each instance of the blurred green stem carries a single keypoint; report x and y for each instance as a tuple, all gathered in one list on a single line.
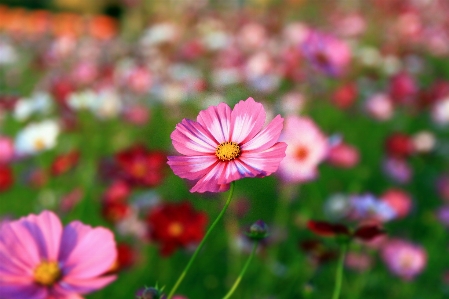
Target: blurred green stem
[(237, 282), (339, 273), (198, 249)]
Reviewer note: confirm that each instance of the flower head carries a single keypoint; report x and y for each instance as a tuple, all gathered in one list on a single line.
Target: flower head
[(176, 225), (307, 147), (225, 145), (41, 259)]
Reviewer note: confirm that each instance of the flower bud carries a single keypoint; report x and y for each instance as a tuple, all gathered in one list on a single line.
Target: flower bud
[(258, 231)]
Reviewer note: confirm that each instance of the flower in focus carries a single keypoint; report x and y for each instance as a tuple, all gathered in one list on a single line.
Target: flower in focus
[(42, 259), (37, 137), (403, 258), (176, 225), (326, 53), (225, 145), (307, 147)]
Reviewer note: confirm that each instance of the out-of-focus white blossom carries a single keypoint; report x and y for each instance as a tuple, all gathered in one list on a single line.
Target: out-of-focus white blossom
[(37, 137)]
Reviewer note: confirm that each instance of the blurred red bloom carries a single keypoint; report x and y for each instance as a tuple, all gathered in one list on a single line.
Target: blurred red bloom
[(176, 225), (345, 96), (343, 155), (142, 167), (118, 191), (6, 177), (365, 232), (403, 88), (65, 162), (126, 257), (399, 145), (115, 211)]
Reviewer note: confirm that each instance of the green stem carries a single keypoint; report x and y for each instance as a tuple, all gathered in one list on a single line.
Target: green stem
[(237, 282), (198, 249), (339, 273)]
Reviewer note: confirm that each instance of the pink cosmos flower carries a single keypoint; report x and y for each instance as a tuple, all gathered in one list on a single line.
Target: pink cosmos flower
[(225, 145), (307, 147), (6, 149), (403, 258), (43, 260)]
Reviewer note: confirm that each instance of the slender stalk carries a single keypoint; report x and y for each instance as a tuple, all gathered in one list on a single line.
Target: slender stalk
[(198, 249), (339, 273), (237, 282)]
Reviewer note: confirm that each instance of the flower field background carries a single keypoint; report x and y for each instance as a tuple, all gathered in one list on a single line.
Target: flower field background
[(89, 103)]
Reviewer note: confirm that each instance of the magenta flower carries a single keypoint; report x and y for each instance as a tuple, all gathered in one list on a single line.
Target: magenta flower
[(225, 145), (43, 260)]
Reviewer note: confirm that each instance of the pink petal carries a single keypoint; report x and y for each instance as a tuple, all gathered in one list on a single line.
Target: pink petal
[(248, 118), (90, 251), (82, 286), (19, 252), (209, 182), (192, 167), (217, 120), (266, 161), (265, 138), (190, 138), (28, 291), (46, 229)]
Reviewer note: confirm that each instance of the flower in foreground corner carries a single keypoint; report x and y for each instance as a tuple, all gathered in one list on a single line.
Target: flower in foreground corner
[(225, 145), (41, 259)]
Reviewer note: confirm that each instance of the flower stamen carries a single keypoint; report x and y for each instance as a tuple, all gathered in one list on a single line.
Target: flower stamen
[(47, 273), (227, 151)]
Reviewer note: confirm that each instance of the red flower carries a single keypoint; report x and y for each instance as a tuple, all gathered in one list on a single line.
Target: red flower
[(365, 232), (345, 95), (176, 225), (6, 177), (142, 167), (399, 145), (126, 257), (118, 191), (115, 211), (65, 162)]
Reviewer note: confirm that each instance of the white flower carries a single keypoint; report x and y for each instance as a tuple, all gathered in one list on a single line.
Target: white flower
[(39, 102), (37, 137), (107, 104), (83, 100), (7, 53), (440, 112)]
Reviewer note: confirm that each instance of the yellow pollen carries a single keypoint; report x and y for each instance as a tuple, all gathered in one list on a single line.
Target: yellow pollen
[(227, 151), (47, 273), (175, 229), (39, 144)]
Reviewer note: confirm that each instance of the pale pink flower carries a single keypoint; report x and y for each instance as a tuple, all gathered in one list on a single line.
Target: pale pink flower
[(399, 200), (403, 258), (380, 106), (225, 145), (307, 147), (6, 149), (43, 260), (343, 155)]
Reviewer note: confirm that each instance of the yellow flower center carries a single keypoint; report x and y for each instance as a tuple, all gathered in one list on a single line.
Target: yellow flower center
[(175, 229), (39, 144), (47, 273), (227, 151)]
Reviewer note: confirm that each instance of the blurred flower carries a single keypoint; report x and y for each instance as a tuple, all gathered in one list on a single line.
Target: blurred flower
[(115, 211), (40, 102), (307, 147), (424, 142), (54, 261), (442, 186), (345, 95), (398, 200), (326, 53), (64, 163), (317, 251), (6, 149), (137, 115), (126, 257), (367, 207), (399, 145), (6, 177), (223, 146), (403, 258), (176, 225), (337, 206), (364, 232), (440, 112), (397, 169), (358, 261), (379, 106), (403, 88), (37, 137), (71, 199), (141, 167), (258, 231), (343, 155), (443, 215)]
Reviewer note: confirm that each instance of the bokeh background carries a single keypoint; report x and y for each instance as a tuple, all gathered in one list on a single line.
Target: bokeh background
[(102, 84)]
